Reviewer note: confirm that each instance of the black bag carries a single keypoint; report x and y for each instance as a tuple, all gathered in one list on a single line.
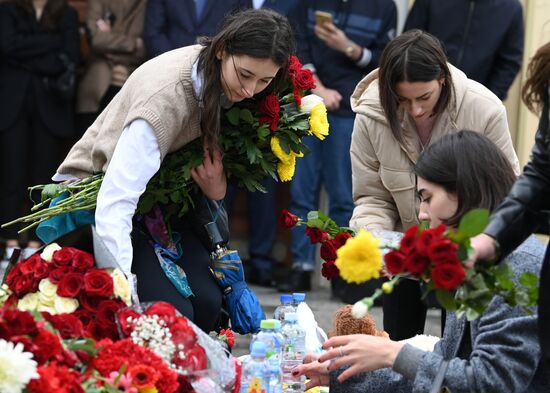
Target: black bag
[(63, 85)]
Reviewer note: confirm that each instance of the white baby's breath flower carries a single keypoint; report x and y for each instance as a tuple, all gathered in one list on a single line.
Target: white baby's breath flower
[(47, 287), (47, 253), (17, 367), (64, 304), (359, 309), (121, 286), (308, 102), (29, 302)]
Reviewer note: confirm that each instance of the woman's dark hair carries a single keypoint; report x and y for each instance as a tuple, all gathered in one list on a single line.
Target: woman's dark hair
[(470, 166), (51, 15), (262, 34), (414, 56), (538, 74)]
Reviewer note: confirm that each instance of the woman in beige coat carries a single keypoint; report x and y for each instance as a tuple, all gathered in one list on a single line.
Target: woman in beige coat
[(412, 100)]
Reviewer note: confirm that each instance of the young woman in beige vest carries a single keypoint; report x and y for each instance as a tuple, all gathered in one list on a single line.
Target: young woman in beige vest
[(166, 103), (411, 101)]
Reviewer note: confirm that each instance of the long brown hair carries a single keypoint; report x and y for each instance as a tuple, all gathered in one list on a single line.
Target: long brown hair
[(414, 56), (262, 34), (538, 73), (51, 15)]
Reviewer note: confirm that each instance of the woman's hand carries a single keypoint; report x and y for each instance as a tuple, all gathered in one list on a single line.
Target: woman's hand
[(210, 176), (361, 352), (485, 248), (316, 372)]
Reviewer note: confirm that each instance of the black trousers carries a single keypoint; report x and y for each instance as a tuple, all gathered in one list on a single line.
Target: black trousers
[(404, 311), (29, 155), (152, 284)]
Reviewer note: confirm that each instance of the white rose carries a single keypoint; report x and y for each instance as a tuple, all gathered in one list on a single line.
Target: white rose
[(47, 253), (359, 310), (29, 302), (5, 292), (44, 308), (121, 286), (46, 300), (47, 287), (309, 101), (64, 305)]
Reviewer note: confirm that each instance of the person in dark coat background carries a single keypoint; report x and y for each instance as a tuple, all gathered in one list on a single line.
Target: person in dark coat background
[(483, 38), (37, 40)]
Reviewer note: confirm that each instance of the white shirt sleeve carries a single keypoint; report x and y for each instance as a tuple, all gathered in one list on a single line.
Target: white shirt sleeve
[(135, 160)]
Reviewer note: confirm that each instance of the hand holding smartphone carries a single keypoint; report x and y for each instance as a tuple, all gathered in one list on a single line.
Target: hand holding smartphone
[(322, 17)]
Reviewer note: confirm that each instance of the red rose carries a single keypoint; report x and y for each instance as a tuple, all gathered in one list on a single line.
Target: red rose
[(57, 274), (443, 251), (19, 322), (107, 310), (342, 238), (328, 250), (125, 324), (27, 266), (427, 238), (294, 64), (287, 220), (46, 346), (269, 111), (41, 270), (89, 303), (14, 273), (98, 282), (82, 261), (408, 242), (95, 330), (395, 262), (194, 359), (416, 264), (303, 79), (84, 316), (24, 284), (68, 325), (143, 376), (316, 235), (183, 334), (64, 257), (70, 285), (164, 311), (329, 270), (448, 275)]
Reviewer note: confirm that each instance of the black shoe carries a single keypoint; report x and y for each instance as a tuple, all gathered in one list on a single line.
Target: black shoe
[(296, 281), (261, 277)]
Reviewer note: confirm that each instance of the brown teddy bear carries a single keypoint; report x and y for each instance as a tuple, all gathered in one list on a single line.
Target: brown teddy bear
[(346, 324)]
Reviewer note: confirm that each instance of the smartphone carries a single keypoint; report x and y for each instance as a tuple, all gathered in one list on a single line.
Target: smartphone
[(322, 17)]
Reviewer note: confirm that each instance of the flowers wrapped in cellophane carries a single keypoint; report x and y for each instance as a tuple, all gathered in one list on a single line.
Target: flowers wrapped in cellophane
[(202, 361), (435, 256)]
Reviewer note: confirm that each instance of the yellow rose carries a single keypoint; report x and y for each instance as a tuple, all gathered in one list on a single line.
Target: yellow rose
[(318, 122), (121, 286), (64, 304), (29, 302), (360, 259), (47, 287), (47, 253)]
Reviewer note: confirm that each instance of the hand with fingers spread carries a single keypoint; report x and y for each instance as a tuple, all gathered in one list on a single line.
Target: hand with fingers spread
[(360, 352), (315, 371), (210, 175)]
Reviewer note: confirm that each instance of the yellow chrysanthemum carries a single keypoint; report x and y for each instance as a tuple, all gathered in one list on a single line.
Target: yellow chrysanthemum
[(286, 169), (360, 259), (318, 122), (279, 152)]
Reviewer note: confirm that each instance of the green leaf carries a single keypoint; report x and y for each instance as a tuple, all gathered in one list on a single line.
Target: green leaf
[(51, 191), (263, 131), (473, 222), (246, 116), (446, 299), (233, 115), (529, 280), (472, 314)]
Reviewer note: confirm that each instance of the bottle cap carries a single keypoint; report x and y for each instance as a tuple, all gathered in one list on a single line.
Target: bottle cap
[(298, 296), (258, 349), (291, 317), (268, 324), (285, 298)]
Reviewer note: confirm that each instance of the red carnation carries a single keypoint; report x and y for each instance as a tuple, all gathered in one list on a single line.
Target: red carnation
[(287, 220), (395, 262), (416, 264), (448, 275), (98, 282), (70, 285), (64, 256), (19, 322), (316, 235), (328, 250), (443, 251), (55, 379), (329, 270), (46, 346), (269, 111), (68, 325)]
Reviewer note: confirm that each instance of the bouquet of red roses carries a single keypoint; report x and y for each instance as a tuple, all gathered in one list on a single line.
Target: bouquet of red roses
[(437, 257), (64, 282)]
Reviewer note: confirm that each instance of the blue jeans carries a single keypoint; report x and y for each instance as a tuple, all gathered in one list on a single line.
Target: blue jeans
[(328, 163)]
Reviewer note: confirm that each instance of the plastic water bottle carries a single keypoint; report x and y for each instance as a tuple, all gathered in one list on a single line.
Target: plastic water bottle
[(293, 353), (283, 308), (297, 298), (273, 341), (255, 371)]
